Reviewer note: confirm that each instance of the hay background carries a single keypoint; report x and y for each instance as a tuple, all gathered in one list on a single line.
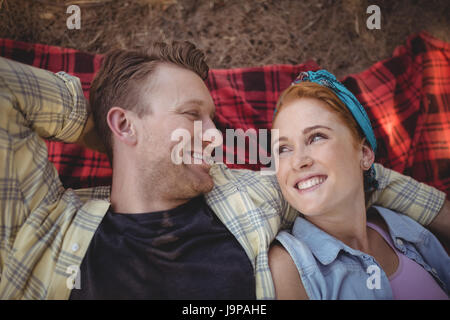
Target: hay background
[(234, 33)]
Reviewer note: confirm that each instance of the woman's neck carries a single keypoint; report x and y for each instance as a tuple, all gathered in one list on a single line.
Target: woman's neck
[(347, 223)]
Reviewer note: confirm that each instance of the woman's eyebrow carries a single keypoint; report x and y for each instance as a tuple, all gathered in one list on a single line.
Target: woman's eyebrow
[(309, 129), (305, 131)]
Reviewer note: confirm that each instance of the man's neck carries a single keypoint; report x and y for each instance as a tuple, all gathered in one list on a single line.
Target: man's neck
[(128, 197)]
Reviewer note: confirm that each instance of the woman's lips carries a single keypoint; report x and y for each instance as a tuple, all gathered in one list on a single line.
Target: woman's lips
[(310, 183)]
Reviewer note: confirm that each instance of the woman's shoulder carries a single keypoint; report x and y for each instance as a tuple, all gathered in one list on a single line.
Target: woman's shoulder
[(391, 217), (300, 252), (286, 277), (397, 224)]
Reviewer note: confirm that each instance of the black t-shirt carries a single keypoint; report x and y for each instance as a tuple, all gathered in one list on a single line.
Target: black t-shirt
[(183, 253)]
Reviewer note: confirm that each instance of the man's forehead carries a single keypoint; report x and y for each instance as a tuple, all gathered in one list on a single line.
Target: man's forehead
[(179, 87), (166, 72), (207, 105)]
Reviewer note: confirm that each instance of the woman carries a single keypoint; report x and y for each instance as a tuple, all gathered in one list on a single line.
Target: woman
[(337, 249)]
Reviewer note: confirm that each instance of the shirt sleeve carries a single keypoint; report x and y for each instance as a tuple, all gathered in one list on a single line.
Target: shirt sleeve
[(404, 194), (52, 105), (34, 104)]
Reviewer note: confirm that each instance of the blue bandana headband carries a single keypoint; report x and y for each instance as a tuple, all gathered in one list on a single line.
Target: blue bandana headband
[(324, 78)]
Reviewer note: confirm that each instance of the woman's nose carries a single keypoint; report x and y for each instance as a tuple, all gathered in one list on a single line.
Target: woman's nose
[(301, 161)]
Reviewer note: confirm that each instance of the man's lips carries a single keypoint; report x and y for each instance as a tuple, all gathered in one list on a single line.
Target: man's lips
[(310, 182), (200, 159)]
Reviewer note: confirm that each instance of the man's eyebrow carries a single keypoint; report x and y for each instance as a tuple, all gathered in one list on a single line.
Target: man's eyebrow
[(191, 102)]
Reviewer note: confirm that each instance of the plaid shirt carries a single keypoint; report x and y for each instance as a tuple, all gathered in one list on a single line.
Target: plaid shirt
[(45, 229)]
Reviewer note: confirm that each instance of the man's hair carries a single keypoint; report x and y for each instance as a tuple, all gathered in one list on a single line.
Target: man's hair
[(120, 78)]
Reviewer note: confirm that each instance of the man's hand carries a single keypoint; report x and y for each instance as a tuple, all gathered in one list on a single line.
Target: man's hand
[(89, 138), (440, 226)]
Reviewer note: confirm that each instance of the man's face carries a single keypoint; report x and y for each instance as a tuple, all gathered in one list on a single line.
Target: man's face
[(177, 98)]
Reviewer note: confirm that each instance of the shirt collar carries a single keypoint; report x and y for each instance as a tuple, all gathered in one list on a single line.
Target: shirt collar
[(323, 246), (326, 247), (400, 225)]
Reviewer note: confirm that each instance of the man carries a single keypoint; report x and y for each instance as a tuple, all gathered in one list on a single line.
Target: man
[(162, 230)]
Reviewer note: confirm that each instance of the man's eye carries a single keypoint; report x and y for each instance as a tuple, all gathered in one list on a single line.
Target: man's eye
[(192, 113)]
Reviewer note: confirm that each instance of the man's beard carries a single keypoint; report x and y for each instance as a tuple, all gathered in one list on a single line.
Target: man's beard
[(167, 180)]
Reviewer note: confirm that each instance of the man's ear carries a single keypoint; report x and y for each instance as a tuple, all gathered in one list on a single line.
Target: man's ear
[(368, 156), (121, 124)]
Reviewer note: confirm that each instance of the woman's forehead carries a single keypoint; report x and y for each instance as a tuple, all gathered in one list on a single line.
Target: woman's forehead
[(303, 110)]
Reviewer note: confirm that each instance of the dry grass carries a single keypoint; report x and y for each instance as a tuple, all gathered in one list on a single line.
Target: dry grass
[(233, 33)]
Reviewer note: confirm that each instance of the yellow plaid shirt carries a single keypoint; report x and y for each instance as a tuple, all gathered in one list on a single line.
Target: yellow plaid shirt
[(45, 230)]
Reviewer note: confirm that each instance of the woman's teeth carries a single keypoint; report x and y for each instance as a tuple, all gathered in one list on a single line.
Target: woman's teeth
[(310, 183)]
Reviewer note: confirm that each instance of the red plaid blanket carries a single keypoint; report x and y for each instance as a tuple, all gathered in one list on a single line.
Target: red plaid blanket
[(406, 96)]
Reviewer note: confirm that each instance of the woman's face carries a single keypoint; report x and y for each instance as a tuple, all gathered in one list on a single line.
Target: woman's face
[(319, 166)]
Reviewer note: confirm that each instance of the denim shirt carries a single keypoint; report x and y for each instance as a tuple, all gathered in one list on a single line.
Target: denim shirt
[(330, 269)]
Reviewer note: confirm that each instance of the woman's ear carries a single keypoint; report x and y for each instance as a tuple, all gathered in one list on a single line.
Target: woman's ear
[(368, 156), (121, 124)]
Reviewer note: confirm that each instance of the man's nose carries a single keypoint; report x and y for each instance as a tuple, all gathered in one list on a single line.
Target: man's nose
[(209, 124), (210, 131)]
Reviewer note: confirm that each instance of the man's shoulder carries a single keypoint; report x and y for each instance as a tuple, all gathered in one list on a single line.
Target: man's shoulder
[(220, 171), (94, 193), (230, 183)]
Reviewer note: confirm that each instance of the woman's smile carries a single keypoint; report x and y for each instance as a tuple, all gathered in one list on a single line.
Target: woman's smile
[(310, 183)]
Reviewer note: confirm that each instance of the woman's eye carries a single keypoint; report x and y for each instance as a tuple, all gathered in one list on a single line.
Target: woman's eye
[(316, 137), (282, 149)]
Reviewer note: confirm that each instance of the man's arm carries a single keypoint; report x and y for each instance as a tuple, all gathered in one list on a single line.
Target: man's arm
[(51, 105), (89, 137), (34, 104), (415, 199)]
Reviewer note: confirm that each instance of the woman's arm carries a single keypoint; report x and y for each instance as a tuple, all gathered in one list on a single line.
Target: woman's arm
[(440, 226), (286, 279)]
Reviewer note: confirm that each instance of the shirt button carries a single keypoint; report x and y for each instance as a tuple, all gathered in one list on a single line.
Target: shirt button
[(399, 242), (75, 247)]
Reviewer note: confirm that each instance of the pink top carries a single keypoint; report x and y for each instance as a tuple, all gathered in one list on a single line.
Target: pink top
[(411, 281)]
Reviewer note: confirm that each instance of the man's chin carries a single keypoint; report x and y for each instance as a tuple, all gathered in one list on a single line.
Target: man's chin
[(207, 188), (207, 184), (201, 179)]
